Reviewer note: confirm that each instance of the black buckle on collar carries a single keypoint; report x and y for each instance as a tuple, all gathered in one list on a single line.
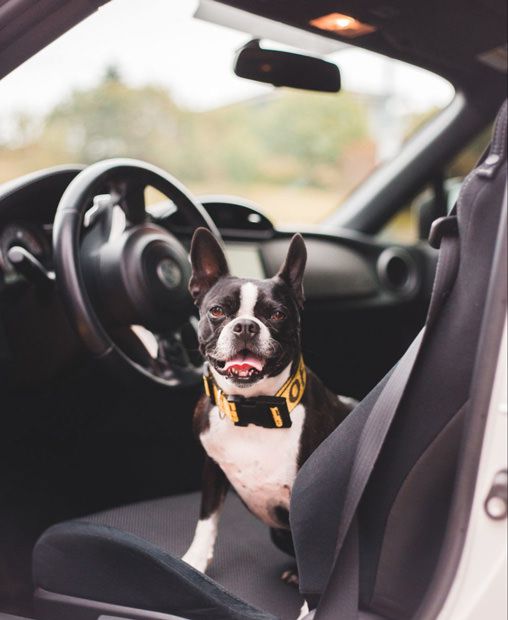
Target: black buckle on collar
[(265, 411), (447, 226)]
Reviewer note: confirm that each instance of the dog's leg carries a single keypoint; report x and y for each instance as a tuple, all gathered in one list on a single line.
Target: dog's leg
[(215, 486), (303, 611)]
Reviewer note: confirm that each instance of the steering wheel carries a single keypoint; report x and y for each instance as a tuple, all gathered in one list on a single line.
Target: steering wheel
[(125, 286)]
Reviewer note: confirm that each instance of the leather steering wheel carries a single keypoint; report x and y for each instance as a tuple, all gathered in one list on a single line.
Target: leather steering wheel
[(112, 280)]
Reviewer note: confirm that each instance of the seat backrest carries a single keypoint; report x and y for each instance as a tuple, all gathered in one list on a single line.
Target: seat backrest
[(403, 513)]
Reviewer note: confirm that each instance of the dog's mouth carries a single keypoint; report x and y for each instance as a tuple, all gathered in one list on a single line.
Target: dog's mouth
[(243, 365)]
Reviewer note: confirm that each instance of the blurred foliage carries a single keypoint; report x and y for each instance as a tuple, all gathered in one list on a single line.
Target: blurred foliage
[(419, 121), (285, 138), (466, 160)]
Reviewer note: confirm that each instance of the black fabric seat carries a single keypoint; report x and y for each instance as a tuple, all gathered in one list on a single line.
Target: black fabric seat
[(128, 556), (246, 561)]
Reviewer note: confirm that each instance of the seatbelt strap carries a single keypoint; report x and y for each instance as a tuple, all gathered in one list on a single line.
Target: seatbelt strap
[(340, 598)]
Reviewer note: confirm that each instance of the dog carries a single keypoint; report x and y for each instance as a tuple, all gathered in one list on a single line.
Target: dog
[(264, 412)]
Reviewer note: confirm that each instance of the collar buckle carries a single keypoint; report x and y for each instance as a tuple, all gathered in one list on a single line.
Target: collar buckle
[(266, 411)]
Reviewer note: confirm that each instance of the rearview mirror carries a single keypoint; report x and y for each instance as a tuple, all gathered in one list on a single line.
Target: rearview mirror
[(286, 69)]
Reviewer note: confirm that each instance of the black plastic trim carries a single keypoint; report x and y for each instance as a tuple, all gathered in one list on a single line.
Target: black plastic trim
[(36, 182), (411, 281)]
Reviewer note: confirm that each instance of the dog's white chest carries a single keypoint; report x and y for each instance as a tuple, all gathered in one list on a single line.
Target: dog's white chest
[(260, 463)]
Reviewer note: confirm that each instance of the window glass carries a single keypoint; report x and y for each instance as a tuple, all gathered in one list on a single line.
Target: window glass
[(403, 226), (150, 81)]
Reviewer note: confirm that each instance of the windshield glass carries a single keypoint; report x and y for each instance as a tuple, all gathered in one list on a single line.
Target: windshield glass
[(148, 80)]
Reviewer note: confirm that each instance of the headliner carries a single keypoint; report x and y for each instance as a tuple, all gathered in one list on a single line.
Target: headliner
[(443, 36)]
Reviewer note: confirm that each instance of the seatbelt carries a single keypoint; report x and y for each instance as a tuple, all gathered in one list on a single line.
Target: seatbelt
[(340, 597)]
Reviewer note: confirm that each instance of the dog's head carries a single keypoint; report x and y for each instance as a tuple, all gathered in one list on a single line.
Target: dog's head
[(248, 329)]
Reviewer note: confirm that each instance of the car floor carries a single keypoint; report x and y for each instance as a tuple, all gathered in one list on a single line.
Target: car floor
[(83, 444)]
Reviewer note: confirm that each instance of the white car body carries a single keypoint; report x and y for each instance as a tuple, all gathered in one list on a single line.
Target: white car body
[(479, 590)]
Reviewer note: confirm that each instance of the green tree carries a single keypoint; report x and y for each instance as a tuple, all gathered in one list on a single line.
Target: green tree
[(113, 119)]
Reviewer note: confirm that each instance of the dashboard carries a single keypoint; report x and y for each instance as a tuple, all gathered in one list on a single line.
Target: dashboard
[(341, 266)]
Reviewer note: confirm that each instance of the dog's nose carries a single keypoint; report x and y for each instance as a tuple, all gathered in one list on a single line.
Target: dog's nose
[(246, 328)]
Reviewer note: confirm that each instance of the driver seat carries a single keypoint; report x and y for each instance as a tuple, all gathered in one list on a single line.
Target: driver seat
[(125, 562)]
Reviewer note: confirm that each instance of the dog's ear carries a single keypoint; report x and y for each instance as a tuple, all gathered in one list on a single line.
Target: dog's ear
[(208, 263), (292, 270)]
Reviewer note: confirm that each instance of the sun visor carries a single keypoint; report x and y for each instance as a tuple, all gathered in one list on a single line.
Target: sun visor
[(264, 28)]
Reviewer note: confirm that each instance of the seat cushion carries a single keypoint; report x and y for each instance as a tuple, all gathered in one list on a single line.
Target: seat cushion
[(126, 556)]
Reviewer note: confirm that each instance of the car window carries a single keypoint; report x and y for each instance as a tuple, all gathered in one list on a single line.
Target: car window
[(403, 227), (161, 88)]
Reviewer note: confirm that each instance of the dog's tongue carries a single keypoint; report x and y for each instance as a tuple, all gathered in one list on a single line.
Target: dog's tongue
[(244, 363)]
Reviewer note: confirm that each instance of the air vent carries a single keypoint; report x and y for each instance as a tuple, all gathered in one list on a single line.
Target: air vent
[(397, 271)]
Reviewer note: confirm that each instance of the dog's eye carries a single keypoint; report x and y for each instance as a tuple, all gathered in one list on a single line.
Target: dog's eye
[(278, 315), (217, 312)]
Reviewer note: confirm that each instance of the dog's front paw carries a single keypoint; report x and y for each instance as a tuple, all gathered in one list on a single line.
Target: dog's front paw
[(290, 576), (197, 560)]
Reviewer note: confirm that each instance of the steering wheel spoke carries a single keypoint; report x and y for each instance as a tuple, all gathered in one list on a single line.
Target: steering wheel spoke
[(180, 348), (171, 356), (98, 220), (131, 197)]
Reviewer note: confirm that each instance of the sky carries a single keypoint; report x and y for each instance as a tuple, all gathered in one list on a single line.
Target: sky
[(192, 58)]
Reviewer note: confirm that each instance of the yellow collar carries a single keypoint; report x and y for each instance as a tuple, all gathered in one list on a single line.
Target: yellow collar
[(266, 411)]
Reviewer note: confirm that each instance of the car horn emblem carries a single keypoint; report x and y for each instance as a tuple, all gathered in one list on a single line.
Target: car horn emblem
[(169, 273)]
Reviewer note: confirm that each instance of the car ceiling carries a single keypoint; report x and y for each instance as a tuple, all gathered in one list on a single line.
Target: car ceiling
[(443, 36)]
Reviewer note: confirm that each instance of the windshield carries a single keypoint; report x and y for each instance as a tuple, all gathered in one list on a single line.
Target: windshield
[(150, 81)]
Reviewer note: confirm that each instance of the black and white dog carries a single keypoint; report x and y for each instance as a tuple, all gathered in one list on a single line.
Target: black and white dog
[(264, 412)]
